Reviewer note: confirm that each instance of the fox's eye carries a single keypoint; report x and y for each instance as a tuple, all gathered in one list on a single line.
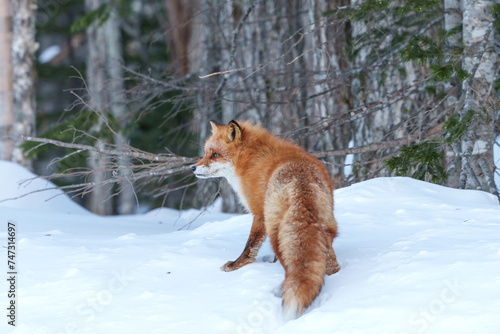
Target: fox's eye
[(215, 155)]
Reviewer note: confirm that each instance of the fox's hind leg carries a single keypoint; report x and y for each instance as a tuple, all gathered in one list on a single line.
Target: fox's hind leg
[(255, 240), (332, 266)]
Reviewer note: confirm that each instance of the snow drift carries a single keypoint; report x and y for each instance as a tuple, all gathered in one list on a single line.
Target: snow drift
[(415, 257)]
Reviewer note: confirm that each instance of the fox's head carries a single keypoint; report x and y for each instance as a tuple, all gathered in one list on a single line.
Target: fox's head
[(220, 151)]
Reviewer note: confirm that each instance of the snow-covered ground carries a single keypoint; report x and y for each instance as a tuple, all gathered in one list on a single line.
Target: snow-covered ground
[(415, 257), (496, 158)]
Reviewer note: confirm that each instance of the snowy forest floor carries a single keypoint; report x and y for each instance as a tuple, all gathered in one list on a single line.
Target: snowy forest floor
[(415, 257)]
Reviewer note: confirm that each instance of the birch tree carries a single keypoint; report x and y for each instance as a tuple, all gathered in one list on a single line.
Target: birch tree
[(23, 54), (328, 64), (391, 90), (105, 79), (480, 61), (6, 84), (118, 106), (17, 88), (453, 21), (99, 101)]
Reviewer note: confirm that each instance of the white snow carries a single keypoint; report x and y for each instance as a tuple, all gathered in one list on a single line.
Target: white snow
[(415, 257), (349, 159), (17, 182), (496, 158), (49, 53)]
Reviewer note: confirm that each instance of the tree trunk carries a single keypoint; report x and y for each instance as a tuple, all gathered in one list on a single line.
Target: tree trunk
[(452, 20), (205, 58), (100, 202), (480, 62), (23, 53), (17, 82), (117, 104), (180, 13), (6, 84), (386, 81), (328, 56)]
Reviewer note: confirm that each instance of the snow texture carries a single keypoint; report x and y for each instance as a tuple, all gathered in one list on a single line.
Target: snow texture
[(496, 159), (415, 257)]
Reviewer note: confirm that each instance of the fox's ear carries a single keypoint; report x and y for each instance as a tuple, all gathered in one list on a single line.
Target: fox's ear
[(214, 125), (234, 132)]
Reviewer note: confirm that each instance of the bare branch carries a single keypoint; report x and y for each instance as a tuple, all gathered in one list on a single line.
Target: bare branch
[(135, 153), (234, 42), (368, 148)]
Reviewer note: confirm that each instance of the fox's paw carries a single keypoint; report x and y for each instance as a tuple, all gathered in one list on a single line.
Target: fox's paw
[(277, 291), (332, 267), (269, 258), (229, 266), (233, 265)]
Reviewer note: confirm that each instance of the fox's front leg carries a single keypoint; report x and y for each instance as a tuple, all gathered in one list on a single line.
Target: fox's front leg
[(255, 240)]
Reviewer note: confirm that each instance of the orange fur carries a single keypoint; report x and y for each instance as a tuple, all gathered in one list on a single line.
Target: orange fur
[(290, 194)]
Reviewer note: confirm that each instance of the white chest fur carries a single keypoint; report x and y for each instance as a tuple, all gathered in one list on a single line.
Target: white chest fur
[(235, 183)]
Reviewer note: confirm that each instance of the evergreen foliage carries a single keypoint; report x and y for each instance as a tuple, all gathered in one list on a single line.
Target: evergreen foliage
[(428, 48), (367, 8), (405, 33), (422, 161), (456, 126), (444, 64), (496, 13)]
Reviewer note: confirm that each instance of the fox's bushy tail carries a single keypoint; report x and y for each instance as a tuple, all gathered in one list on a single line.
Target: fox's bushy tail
[(304, 250)]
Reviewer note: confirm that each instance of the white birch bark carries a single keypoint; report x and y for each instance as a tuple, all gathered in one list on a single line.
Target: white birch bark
[(480, 61), (376, 85), (6, 85), (452, 20), (100, 202), (328, 41), (117, 104), (22, 48)]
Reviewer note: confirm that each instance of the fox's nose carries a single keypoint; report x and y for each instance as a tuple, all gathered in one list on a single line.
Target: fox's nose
[(193, 168)]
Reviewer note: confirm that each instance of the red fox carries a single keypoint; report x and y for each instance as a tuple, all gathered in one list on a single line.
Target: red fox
[(290, 195)]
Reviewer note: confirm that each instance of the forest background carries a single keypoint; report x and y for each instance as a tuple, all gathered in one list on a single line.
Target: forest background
[(110, 99)]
